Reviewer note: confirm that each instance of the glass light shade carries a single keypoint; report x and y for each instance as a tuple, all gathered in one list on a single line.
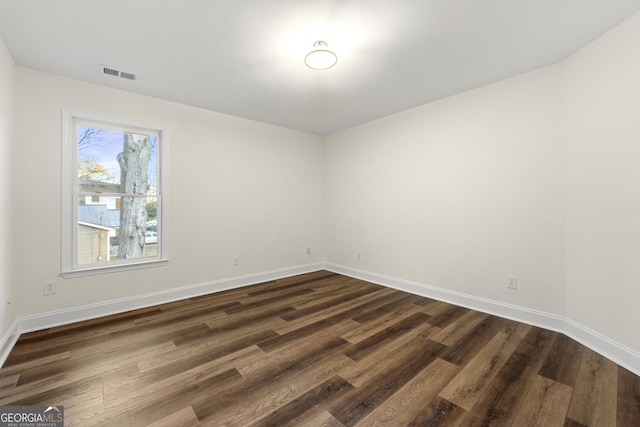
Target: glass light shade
[(320, 58)]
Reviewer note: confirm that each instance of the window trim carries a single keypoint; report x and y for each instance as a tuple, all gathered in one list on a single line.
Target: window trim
[(70, 192)]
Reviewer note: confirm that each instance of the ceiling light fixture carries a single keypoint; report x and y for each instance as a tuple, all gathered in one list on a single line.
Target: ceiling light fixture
[(320, 58)]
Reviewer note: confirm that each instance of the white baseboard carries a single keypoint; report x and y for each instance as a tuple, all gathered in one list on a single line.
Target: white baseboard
[(618, 353), (51, 319), (8, 341), (614, 351)]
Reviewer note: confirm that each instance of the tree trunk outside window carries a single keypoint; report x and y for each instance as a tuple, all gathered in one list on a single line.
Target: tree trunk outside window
[(134, 170)]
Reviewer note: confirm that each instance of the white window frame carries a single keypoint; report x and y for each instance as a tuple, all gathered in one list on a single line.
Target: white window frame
[(70, 192)]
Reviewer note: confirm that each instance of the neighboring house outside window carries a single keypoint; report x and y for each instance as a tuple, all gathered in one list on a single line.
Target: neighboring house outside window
[(114, 206)]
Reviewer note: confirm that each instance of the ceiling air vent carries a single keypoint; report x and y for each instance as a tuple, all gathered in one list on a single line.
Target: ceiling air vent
[(110, 71), (127, 75)]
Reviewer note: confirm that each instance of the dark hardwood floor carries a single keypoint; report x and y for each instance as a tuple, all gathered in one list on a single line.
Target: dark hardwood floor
[(314, 350)]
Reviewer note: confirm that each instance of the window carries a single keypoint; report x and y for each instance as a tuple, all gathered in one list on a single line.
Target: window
[(114, 209)]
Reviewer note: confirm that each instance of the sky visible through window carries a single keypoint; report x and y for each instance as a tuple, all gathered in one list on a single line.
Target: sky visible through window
[(100, 147)]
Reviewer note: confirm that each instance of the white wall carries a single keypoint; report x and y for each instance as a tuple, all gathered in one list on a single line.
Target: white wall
[(458, 193), (237, 188), (602, 91), (7, 83), (537, 176)]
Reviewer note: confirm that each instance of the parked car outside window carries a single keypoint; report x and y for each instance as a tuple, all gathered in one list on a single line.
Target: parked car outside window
[(151, 237)]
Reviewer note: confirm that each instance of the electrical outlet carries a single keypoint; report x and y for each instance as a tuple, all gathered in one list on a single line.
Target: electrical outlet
[(512, 282), (308, 251), (8, 304), (236, 261), (49, 288), (358, 256)]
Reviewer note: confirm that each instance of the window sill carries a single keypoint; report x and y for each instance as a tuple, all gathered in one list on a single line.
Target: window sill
[(114, 268)]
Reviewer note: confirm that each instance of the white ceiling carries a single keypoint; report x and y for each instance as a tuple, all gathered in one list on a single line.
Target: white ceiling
[(245, 57)]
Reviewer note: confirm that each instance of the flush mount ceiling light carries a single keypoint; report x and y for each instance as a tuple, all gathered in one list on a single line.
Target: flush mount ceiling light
[(320, 58)]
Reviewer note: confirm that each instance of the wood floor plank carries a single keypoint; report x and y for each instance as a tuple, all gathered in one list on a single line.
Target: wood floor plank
[(563, 361), (190, 313), (193, 361), (9, 381), (139, 336), (317, 349), (545, 404), (343, 299), (387, 335), (384, 359), (420, 352), (321, 295), (288, 355), (316, 416), (500, 403), (317, 292), (459, 328), (226, 323), (408, 402), (365, 330), (310, 280), (199, 346), (185, 417), (92, 364), (241, 405), (53, 391), (447, 315), (467, 348), (81, 393), (594, 398), (297, 411), (37, 352), (33, 363), (571, 423), (628, 398), (345, 309), (331, 317), (393, 303), (59, 384), (350, 295), (439, 412), (466, 388), (164, 405), (76, 335), (129, 393), (264, 300)]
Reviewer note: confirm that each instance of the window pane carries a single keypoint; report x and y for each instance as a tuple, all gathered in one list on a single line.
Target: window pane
[(99, 166), (99, 228)]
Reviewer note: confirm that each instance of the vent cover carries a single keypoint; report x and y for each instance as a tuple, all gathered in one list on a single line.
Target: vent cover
[(111, 71), (127, 75)]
